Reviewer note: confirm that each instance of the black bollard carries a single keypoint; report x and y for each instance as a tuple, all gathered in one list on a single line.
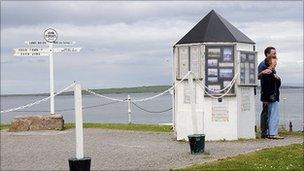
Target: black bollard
[(290, 126), (83, 164), (255, 128)]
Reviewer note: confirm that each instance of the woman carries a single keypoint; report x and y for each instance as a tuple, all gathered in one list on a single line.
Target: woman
[(271, 94)]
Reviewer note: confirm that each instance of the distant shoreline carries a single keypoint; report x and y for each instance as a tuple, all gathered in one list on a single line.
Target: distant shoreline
[(141, 89)]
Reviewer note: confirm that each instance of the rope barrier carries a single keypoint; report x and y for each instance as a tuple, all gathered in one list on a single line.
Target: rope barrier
[(229, 86), (149, 111), (221, 90), (160, 94), (217, 97), (100, 105), (71, 109), (103, 96), (201, 84), (37, 102)]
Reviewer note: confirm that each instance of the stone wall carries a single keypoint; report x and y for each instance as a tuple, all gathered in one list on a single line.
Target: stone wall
[(37, 122)]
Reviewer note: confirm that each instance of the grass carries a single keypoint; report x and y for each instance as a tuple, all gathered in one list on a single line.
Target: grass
[(118, 126), (279, 158), (294, 133), (121, 126), (5, 126), (284, 132)]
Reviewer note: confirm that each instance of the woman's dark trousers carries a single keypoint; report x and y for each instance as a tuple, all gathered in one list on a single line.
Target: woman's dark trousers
[(264, 121)]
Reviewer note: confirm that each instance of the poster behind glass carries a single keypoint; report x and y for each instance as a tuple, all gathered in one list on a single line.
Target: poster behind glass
[(195, 61), (247, 68), (219, 67), (188, 60), (183, 61)]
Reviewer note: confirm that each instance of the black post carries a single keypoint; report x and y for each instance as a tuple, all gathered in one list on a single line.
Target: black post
[(83, 164), (290, 126)]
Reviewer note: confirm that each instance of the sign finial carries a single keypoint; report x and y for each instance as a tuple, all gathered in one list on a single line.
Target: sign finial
[(50, 35)]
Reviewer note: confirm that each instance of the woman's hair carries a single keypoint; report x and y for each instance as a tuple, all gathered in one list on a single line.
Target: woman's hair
[(270, 60)]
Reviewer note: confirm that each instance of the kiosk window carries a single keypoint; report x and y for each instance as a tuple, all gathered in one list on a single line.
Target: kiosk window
[(183, 60), (195, 60), (247, 68), (189, 60), (219, 67)]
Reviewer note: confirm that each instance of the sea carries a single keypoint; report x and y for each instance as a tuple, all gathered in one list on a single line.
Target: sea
[(97, 109)]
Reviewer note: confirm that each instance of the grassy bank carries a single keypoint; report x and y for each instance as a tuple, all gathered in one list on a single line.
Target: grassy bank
[(119, 126), (142, 89), (279, 158), (5, 126), (294, 133), (284, 132)]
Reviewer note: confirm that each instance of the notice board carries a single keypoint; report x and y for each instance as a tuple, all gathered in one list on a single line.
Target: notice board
[(248, 75), (188, 59), (219, 68)]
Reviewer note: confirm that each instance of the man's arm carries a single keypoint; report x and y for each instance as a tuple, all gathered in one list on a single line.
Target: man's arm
[(265, 71)]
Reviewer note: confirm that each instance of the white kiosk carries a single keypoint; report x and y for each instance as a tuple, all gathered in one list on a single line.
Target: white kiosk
[(219, 101)]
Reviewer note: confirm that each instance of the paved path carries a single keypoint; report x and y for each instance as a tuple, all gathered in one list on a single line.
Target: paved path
[(115, 150)]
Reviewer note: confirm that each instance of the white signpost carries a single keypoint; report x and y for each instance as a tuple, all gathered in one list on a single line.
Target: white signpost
[(50, 36)]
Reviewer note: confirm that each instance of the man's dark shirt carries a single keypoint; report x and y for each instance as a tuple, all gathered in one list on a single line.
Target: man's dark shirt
[(269, 84), (262, 66)]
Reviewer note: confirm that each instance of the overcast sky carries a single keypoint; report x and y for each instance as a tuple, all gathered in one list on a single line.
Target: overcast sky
[(130, 43)]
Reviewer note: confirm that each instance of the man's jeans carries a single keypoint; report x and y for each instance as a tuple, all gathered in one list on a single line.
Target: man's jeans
[(273, 118)]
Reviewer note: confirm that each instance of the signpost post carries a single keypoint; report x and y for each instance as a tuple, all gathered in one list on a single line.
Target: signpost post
[(50, 36)]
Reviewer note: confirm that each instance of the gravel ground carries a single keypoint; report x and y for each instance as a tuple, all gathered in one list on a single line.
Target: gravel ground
[(116, 150)]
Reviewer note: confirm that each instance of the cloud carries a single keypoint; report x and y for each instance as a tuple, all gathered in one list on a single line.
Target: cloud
[(130, 43), (92, 13)]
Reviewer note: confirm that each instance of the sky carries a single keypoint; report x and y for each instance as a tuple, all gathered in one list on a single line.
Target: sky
[(126, 44)]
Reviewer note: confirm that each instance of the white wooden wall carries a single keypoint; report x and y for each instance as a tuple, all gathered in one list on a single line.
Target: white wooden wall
[(246, 103)]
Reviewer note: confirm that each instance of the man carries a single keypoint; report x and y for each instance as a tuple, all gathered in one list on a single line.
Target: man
[(264, 70)]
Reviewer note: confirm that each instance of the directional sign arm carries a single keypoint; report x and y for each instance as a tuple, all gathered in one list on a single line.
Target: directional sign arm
[(32, 54), (20, 50), (69, 49), (35, 42), (45, 43)]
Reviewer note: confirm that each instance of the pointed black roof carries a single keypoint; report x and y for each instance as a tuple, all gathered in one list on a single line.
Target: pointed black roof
[(214, 28)]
